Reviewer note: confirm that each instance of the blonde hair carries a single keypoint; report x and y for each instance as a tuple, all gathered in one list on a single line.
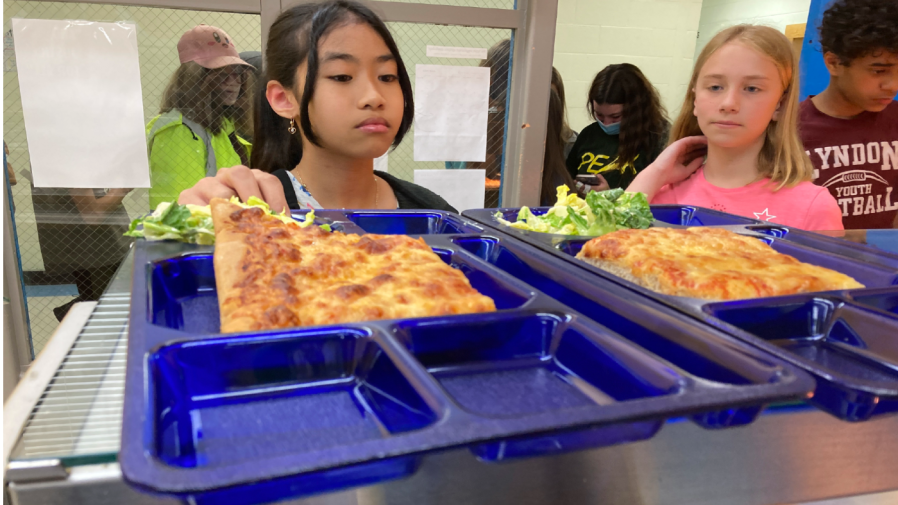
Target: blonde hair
[(782, 158)]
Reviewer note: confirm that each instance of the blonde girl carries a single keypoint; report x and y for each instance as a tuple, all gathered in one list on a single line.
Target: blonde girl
[(735, 145)]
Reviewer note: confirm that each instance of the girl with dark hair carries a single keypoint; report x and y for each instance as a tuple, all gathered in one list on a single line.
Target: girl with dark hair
[(336, 95), (206, 103), (554, 172), (630, 131)]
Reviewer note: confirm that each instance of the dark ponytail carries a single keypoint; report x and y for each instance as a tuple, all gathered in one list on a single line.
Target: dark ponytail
[(293, 39)]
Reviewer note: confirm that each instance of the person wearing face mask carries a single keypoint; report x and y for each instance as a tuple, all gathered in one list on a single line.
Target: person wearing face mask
[(208, 100), (630, 131)]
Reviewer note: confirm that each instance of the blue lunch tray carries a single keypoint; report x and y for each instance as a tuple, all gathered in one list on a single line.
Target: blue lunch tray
[(687, 216), (847, 339), (255, 417)]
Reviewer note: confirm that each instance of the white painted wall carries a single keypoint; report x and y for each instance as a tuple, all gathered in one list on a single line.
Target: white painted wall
[(658, 36), (719, 14)]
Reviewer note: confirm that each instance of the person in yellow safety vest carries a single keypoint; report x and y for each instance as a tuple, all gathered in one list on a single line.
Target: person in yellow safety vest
[(207, 101)]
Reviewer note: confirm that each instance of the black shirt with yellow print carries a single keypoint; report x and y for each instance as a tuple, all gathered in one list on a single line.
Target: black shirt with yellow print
[(595, 152)]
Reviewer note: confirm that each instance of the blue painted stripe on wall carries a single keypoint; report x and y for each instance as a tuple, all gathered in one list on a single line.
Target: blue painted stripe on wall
[(812, 73)]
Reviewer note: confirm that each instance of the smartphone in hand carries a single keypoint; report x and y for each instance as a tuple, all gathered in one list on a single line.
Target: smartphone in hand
[(591, 179), (595, 181)]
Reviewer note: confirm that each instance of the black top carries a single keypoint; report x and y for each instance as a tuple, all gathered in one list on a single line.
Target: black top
[(595, 152), (409, 196)]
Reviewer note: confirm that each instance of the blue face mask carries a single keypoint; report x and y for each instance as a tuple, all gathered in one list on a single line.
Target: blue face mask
[(612, 129)]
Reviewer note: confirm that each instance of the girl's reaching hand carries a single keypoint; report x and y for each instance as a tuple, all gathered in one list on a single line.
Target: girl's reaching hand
[(237, 181), (680, 159), (673, 165)]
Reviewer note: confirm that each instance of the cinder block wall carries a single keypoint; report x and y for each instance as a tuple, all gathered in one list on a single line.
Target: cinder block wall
[(720, 14)]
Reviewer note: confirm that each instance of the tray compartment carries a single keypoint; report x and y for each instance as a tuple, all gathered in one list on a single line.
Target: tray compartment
[(686, 215), (514, 366), (658, 337), (871, 276), (250, 398), (828, 331), (832, 245), (184, 285), (523, 365), (885, 300), (853, 351), (183, 294)]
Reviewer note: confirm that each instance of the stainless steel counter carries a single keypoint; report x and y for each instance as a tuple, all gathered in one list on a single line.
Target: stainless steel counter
[(786, 457)]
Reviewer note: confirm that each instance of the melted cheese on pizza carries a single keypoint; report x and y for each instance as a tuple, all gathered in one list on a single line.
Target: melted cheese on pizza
[(271, 274), (708, 263)]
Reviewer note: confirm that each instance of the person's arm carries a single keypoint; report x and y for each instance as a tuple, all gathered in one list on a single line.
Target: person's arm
[(92, 209), (237, 181), (9, 171), (673, 165)]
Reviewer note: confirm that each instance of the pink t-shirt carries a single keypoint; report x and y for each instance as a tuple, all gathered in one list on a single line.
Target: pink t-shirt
[(803, 206)]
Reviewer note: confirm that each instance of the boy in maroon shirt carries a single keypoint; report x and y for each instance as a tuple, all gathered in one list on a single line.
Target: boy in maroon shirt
[(850, 130)]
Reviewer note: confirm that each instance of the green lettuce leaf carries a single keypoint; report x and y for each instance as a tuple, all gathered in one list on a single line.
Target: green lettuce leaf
[(599, 213), (193, 223)]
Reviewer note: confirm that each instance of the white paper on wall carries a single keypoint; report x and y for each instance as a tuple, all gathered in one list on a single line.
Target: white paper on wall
[(82, 103), (463, 189), (451, 105), (472, 53)]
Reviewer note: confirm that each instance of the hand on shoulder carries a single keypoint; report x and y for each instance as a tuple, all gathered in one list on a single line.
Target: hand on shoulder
[(673, 165), (239, 181), (680, 159)]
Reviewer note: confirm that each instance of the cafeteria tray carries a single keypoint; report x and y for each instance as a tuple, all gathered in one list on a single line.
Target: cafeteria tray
[(253, 417), (687, 216), (848, 340)]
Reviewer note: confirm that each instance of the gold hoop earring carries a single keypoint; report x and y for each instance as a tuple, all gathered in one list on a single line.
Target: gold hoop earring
[(292, 127)]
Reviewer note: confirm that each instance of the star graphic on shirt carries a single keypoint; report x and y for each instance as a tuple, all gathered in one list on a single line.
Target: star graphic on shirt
[(763, 216)]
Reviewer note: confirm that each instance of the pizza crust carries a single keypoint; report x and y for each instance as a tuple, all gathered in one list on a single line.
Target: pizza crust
[(647, 281), (230, 250)]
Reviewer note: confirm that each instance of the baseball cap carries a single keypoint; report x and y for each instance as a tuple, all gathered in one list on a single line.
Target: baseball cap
[(209, 47), (254, 58)]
